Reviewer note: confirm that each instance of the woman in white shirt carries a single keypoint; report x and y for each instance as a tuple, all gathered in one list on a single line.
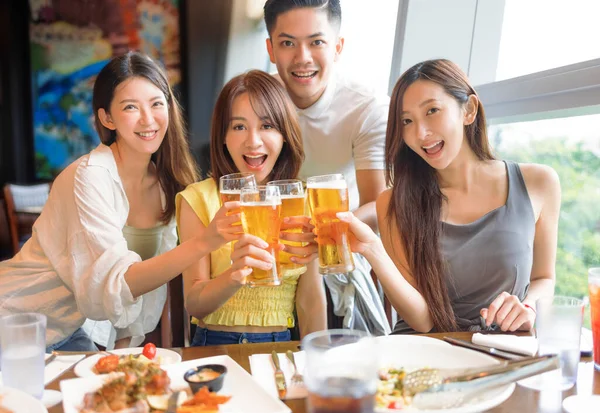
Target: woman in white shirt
[(77, 264)]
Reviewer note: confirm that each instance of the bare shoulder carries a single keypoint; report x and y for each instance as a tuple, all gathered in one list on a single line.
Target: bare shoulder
[(383, 202), (540, 178)]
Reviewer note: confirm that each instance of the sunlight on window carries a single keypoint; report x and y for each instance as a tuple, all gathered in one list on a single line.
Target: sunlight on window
[(369, 29), (541, 34)]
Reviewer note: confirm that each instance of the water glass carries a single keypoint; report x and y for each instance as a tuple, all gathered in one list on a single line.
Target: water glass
[(23, 343), (341, 371), (558, 326), (594, 286)]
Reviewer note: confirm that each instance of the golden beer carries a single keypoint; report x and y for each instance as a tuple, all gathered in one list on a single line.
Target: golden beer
[(326, 198), (264, 220), (229, 196), (291, 206)]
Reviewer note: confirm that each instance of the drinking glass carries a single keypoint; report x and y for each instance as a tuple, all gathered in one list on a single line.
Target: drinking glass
[(558, 326), (594, 286), (230, 186), (23, 342), (341, 371), (261, 216), (292, 205), (328, 195)]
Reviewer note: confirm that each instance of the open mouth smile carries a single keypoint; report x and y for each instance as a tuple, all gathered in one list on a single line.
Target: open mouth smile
[(255, 161), (433, 148)]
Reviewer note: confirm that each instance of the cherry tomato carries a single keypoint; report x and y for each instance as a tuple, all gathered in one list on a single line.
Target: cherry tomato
[(149, 351), (107, 364), (396, 405)]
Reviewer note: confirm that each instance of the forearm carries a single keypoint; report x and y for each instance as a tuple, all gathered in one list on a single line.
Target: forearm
[(150, 274), (206, 297), (407, 300), (312, 310), (542, 287), (367, 214)]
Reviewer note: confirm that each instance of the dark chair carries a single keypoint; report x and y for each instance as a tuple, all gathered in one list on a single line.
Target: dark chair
[(23, 204)]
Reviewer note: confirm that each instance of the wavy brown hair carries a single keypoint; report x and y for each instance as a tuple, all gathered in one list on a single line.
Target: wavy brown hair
[(175, 165), (269, 101), (416, 201)]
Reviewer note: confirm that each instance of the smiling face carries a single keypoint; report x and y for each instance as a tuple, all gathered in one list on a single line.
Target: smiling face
[(304, 46), (253, 143), (139, 115), (433, 123)]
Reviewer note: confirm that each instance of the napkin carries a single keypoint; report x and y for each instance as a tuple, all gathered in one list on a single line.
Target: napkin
[(526, 345), (57, 366), (263, 372)]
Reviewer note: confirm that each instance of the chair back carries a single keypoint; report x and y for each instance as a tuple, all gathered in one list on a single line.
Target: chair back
[(22, 202)]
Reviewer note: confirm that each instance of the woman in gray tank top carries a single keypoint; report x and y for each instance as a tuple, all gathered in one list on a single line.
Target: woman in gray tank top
[(468, 242)]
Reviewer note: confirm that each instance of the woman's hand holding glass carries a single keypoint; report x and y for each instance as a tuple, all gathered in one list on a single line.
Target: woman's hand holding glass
[(249, 251), (307, 249), (509, 313), (224, 228), (362, 238)]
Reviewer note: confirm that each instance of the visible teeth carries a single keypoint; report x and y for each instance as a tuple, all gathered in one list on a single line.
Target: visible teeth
[(145, 134), (254, 156), (308, 74), (431, 146)]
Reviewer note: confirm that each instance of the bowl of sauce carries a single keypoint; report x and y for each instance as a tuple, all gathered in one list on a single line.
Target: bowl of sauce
[(208, 375)]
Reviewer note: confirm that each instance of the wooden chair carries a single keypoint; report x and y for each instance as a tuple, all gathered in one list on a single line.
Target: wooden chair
[(23, 204)]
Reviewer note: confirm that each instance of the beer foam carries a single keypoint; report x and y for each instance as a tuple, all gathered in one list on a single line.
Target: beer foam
[(291, 196), (328, 185), (231, 192), (261, 203)]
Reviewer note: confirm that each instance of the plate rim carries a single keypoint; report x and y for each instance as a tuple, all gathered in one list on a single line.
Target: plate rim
[(22, 394), (80, 371)]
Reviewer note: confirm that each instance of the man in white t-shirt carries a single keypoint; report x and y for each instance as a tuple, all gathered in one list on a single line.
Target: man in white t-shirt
[(343, 123)]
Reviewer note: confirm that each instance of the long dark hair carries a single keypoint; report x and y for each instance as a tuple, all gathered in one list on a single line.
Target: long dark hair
[(416, 200), (175, 165), (270, 101)]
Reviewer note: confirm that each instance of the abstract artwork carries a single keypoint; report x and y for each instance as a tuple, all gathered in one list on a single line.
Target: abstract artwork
[(71, 40)]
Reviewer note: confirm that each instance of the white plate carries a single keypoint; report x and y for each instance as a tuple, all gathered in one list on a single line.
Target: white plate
[(411, 355), (19, 401), (247, 395), (84, 367), (389, 344)]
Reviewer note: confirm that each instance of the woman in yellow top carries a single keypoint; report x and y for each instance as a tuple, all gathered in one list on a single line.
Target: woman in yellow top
[(254, 129)]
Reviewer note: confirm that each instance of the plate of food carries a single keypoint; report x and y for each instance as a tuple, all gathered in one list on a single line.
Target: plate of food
[(150, 390), (15, 401), (104, 363), (393, 365)]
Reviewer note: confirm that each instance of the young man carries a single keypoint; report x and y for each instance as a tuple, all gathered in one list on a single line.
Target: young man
[(343, 130), (343, 123)]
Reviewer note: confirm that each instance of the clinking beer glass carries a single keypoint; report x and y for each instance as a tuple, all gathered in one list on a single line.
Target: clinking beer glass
[(292, 205), (328, 195), (230, 186), (261, 217)]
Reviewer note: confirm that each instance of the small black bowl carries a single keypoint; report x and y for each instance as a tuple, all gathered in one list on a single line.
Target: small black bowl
[(214, 384)]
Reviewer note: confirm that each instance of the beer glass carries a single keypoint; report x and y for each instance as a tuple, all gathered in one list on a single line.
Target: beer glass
[(594, 286), (230, 186), (261, 216), (341, 371), (328, 195), (292, 205)]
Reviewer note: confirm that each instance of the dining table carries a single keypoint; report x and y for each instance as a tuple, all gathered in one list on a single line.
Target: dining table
[(522, 399)]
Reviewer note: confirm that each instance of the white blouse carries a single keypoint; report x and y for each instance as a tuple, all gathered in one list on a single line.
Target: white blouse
[(73, 266)]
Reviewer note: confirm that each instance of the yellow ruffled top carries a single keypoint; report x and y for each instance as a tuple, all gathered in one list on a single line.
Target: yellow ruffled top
[(250, 306)]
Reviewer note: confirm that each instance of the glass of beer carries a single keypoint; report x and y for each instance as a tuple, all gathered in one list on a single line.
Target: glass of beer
[(328, 195), (261, 216), (230, 186), (341, 371), (292, 205)]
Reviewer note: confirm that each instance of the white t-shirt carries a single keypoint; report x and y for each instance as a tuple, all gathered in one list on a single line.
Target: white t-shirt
[(73, 266), (344, 131)]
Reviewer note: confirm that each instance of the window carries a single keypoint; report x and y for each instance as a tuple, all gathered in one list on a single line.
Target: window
[(369, 41), (539, 35), (572, 147)]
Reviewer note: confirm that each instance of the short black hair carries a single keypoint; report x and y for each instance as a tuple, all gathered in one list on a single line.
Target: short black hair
[(273, 8)]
